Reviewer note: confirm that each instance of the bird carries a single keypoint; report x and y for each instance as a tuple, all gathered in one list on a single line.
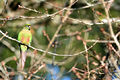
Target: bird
[(25, 37)]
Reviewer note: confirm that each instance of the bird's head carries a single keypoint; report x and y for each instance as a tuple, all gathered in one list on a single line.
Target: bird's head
[(27, 26)]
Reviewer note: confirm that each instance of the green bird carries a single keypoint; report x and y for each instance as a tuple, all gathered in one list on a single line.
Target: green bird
[(25, 36)]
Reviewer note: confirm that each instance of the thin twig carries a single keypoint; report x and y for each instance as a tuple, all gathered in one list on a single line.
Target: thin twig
[(2, 36), (73, 9), (101, 41), (87, 55), (117, 34), (34, 10), (39, 68)]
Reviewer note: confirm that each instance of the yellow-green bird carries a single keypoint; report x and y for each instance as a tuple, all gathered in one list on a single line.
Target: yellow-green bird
[(25, 36)]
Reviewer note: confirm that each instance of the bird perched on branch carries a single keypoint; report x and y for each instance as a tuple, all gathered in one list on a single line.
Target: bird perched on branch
[(25, 36)]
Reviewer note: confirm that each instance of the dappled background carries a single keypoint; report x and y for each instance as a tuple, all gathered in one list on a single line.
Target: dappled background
[(72, 37)]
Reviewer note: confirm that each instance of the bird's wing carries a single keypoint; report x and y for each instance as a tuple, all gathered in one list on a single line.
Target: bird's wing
[(25, 36)]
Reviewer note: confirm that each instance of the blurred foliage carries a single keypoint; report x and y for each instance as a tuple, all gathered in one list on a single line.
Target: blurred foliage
[(66, 44)]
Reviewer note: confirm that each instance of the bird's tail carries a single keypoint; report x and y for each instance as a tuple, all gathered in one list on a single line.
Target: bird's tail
[(23, 59)]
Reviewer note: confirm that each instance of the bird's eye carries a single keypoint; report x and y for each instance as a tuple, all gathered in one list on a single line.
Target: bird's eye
[(28, 26)]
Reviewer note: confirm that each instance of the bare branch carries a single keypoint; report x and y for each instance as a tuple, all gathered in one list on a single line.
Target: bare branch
[(41, 50), (110, 25)]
